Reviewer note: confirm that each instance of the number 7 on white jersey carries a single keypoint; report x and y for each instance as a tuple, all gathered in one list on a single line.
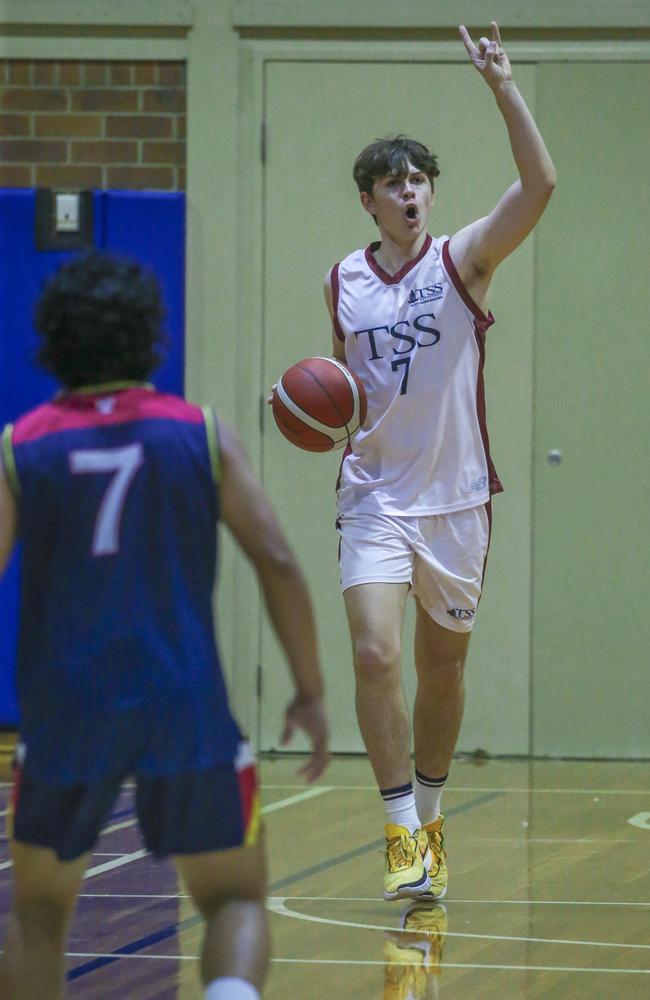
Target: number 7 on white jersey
[(123, 463)]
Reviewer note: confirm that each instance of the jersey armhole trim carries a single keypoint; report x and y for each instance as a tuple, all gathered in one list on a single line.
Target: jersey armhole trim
[(9, 460), (482, 320), (334, 276), (213, 441)]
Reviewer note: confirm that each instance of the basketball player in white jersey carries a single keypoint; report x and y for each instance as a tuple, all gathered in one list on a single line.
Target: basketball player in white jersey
[(410, 317)]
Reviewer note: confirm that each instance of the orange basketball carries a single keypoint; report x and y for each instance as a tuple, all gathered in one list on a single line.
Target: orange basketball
[(318, 404)]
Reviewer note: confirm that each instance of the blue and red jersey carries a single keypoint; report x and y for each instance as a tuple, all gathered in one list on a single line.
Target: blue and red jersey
[(118, 665)]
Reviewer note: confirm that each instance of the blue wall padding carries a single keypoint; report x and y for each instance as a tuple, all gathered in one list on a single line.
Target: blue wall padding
[(151, 228), (22, 272), (147, 226)]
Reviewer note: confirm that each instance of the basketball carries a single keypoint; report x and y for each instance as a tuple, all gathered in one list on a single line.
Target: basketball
[(318, 404)]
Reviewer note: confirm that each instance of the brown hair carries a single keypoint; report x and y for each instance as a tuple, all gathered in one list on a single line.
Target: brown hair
[(385, 157)]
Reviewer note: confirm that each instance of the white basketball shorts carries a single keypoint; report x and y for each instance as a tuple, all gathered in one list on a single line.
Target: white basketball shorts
[(442, 556)]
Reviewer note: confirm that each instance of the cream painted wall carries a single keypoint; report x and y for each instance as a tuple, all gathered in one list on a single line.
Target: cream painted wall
[(224, 172), (591, 518), (213, 315), (312, 218), (424, 14)]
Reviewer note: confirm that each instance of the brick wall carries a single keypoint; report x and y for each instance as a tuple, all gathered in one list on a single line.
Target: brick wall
[(70, 125)]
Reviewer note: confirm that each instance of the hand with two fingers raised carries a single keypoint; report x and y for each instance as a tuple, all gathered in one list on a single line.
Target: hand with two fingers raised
[(488, 57)]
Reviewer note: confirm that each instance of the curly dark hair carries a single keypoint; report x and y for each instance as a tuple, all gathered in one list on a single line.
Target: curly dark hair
[(100, 320), (385, 157)]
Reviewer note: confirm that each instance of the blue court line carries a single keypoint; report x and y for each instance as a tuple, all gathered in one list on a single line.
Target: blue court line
[(131, 948), (167, 932), (122, 812)]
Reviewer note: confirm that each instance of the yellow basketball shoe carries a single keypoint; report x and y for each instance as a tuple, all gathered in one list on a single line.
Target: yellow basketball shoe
[(438, 864), (413, 956), (406, 872)]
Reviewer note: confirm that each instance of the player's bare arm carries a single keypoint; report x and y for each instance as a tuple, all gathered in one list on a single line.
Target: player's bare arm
[(249, 516), (338, 348), (7, 520), (478, 248)]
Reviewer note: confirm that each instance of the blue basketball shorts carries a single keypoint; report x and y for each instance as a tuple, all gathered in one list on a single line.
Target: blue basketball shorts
[(188, 813)]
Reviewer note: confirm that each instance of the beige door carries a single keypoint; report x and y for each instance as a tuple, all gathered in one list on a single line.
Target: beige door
[(319, 116), (592, 359)]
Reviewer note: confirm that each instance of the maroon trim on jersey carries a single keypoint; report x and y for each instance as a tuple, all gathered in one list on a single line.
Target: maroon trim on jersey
[(488, 511), (335, 303), (482, 320), (394, 279), (493, 479), (78, 411)]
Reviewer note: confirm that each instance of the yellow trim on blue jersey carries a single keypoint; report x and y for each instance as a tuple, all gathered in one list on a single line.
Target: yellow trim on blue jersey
[(213, 440), (252, 833), (9, 460), (104, 387)]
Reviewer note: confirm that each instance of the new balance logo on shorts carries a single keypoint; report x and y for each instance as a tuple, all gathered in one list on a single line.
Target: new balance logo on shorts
[(462, 614)]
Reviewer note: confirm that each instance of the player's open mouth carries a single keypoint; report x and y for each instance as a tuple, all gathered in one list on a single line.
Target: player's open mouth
[(411, 213)]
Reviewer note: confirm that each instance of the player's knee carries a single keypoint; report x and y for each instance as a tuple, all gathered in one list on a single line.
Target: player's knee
[(377, 661)]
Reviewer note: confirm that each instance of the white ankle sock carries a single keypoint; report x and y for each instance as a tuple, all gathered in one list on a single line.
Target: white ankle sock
[(428, 792), (229, 988), (400, 806)]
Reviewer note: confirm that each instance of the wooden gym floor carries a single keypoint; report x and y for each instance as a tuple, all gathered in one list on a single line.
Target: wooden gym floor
[(549, 892)]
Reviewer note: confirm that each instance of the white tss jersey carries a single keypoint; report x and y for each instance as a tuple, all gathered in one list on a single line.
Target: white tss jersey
[(417, 342)]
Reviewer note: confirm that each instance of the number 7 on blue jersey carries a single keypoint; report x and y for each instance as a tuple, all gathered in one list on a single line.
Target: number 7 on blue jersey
[(124, 464)]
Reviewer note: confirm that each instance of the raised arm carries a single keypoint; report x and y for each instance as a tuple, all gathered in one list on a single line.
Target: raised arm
[(478, 248), (248, 515)]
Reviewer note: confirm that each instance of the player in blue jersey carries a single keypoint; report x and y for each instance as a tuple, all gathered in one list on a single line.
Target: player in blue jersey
[(115, 491)]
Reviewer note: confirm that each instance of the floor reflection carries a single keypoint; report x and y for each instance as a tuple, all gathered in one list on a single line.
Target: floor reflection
[(413, 952)]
